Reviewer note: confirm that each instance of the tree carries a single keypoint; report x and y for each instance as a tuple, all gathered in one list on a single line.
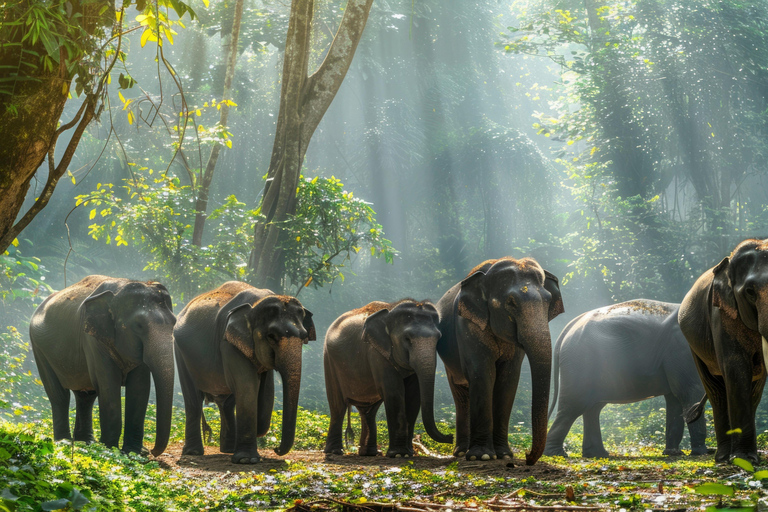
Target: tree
[(44, 47), (304, 100)]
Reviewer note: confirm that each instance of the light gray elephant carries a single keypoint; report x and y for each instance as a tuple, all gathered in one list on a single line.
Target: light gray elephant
[(96, 336), (383, 353), (621, 354), (229, 341)]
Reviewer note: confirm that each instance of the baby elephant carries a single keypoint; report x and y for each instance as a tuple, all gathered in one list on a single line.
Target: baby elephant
[(620, 354), (383, 353)]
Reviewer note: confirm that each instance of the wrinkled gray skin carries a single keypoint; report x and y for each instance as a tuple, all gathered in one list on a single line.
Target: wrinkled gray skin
[(229, 341), (724, 317), (383, 353), (93, 338), (489, 322), (621, 354)]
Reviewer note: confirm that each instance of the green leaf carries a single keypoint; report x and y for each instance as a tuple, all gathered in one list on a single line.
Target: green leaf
[(761, 475), (744, 464), (734, 431), (714, 488)]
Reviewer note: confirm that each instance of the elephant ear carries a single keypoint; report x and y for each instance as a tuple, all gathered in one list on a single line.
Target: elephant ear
[(376, 332), (552, 285), (165, 294), (309, 325), (722, 291), (96, 316), (237, 329), (472, 300)]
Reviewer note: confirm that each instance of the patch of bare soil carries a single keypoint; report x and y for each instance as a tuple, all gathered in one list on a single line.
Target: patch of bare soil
[(215, 465)]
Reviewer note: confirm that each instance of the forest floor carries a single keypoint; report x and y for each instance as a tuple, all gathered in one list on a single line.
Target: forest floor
[(307, 480)]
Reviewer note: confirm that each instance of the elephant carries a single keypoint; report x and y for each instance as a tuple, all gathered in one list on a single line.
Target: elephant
[(383, 352), (724, 317), (489, 321), (96, 336), (228, 343), (620, 354)]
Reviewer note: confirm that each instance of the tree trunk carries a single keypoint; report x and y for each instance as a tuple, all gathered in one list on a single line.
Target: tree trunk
[(201, 206), (304, 100), (30, 109)]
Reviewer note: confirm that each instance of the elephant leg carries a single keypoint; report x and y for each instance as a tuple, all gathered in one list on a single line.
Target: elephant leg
[(715, 388), (84, 415), (504, 392), (58, 396), (227, 433), (412, 406), (193, 409), (334, 442), (244, 381), (461, 401), (592, 446), (698, 432), (107, 378), (368, 432), (675, 425), (481, 379), (137, 384), (400, 445), (266, 402), (566, 415)]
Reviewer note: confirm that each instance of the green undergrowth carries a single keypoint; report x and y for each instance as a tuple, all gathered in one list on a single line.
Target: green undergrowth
[(37, 474)]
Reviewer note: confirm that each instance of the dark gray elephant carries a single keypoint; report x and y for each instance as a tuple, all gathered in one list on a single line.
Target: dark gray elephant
[(497, 315), (383, 353), (96, 336), (621, 354), (229, 341), (724, 317)]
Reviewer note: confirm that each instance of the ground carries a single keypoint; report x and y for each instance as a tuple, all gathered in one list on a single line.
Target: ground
[(309, 480)]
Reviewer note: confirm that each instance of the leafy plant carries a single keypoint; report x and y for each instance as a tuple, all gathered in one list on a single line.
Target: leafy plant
[(156, 215)]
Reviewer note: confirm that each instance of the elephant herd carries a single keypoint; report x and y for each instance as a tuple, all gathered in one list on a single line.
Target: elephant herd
[(105, 333)]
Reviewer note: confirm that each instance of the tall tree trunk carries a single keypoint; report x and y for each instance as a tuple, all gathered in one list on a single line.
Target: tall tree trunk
[(304, 100), (204, 186)]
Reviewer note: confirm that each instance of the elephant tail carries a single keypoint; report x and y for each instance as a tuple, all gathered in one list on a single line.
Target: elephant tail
[(349, 434), (692, 413)]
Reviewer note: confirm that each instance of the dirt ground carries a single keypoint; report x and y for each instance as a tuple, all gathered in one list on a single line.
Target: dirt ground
[(215, 464)]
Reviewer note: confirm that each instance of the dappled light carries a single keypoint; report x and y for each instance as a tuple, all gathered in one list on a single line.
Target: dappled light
[(383, 255)]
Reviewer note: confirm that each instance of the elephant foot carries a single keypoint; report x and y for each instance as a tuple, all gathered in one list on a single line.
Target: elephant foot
[(399, 452), (139, 450), (336, 451), (596, 454), (722, 455), (672, 452), (227, 449), (368, 451), (246, 457), (750, 456), (700, 450), (459, 451), (503, 452), (85, 438), (480, 453), (193, 450)]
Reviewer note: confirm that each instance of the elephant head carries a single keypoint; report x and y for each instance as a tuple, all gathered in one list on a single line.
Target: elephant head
[(270, 333), (514, 300), (407, 335), (134, 321), (740, 286)]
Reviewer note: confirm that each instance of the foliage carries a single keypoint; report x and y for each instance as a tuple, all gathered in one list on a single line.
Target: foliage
[(156, 214), (21, 392), (22, 283), (658, 102), (329, 225)]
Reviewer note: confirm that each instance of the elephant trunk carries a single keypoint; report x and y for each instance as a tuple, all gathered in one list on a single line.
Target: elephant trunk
[(424, 365), (538, 348), (288, 365), (158, 356)]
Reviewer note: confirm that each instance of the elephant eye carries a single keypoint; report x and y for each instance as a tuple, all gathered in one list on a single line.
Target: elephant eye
[(749, 292)]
